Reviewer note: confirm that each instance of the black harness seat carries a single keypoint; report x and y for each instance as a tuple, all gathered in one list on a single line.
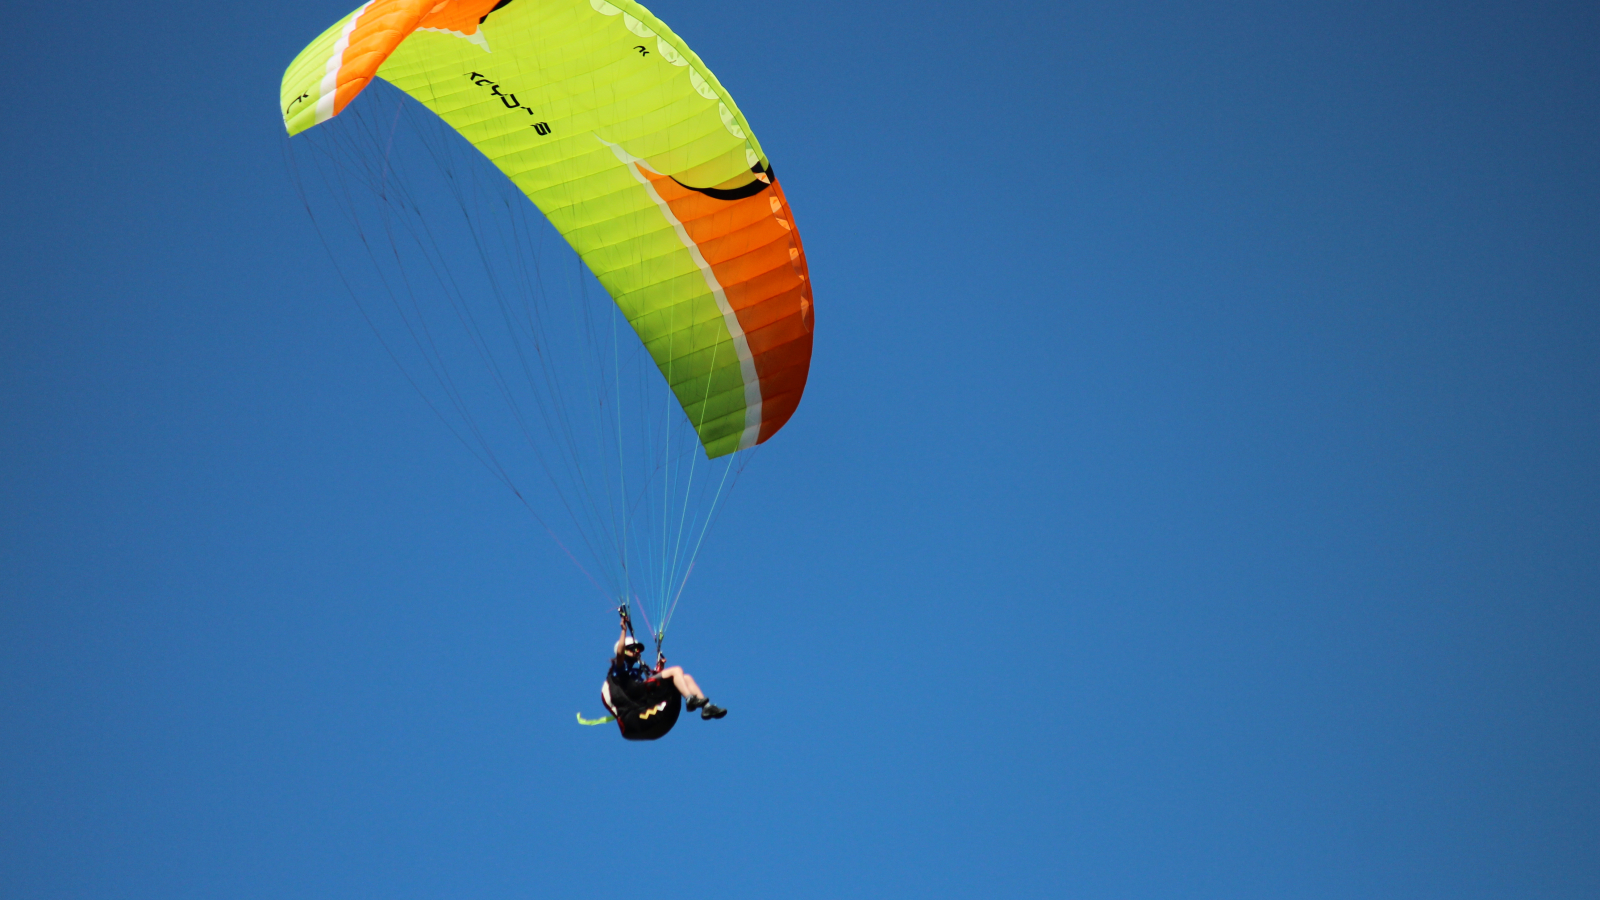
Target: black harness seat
[(645, 710)]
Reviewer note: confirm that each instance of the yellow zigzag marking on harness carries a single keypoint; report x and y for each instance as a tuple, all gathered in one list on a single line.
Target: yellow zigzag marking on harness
[(650, 712)]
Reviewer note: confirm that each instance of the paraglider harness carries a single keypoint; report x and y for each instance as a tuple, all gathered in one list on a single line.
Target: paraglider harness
[(645, 705)]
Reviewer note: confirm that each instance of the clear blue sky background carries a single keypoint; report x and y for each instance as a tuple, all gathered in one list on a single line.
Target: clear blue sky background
[(1195, 495)]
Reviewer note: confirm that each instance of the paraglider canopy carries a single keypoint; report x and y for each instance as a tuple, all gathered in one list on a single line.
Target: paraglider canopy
[(618, 132)]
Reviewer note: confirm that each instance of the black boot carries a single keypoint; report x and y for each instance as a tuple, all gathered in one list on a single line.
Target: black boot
[(697, 702), (712, 711)]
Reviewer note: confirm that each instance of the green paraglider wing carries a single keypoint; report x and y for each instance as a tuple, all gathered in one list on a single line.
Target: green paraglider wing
[(618, 132)]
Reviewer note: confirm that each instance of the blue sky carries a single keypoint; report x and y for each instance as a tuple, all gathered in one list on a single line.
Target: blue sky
[(1194, 495)]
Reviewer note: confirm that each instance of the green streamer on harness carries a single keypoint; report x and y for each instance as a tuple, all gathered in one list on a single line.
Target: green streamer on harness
[(600, 721)]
